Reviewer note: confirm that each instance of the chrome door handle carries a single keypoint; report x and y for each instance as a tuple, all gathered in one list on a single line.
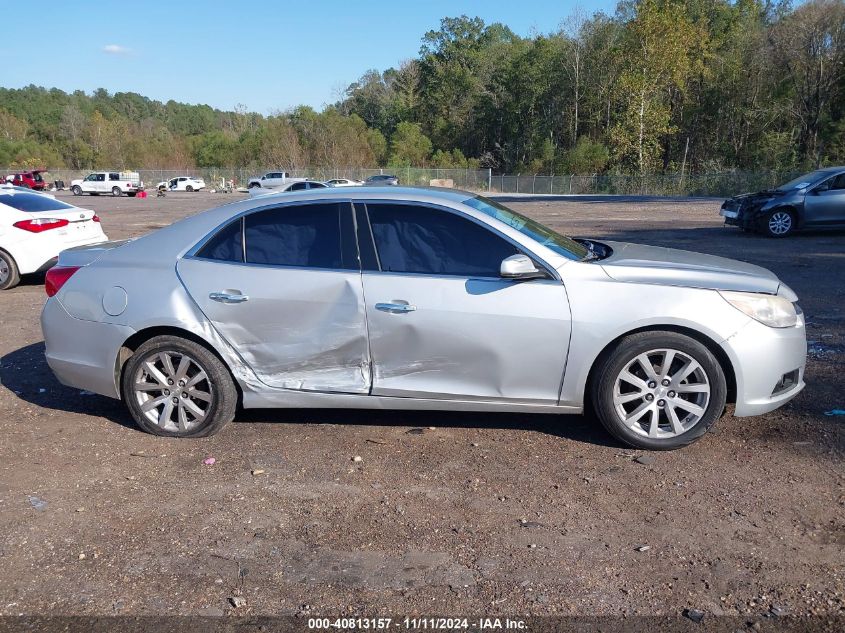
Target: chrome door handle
[(225, 297), (395, 307)]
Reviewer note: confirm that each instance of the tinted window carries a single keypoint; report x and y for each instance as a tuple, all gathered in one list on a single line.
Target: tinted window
[(415, 239), (298, 186), (226, 245), (33, 202), (307, 235), (114, 176), (316, 185)]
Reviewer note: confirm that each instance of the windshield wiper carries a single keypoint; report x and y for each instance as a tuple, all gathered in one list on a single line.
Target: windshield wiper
[(592, 253)]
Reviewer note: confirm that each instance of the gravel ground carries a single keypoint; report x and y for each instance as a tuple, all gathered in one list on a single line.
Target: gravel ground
[(445, 513)]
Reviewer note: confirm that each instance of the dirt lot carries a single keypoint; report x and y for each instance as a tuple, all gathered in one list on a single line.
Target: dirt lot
[(445, 513)]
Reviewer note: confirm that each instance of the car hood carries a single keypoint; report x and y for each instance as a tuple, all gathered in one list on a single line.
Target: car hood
[(671, 267)]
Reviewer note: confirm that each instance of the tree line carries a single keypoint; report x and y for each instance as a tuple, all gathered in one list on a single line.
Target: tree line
[(660, 86)]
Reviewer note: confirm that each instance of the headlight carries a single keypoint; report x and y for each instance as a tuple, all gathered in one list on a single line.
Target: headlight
[(771, 310)]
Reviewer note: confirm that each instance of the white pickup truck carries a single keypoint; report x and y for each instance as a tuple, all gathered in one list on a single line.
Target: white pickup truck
[(272, 180), (115, 183)]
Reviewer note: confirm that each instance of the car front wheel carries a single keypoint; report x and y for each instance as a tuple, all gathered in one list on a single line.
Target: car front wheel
[(77, 190), (189, 188), (779, 223), (178, 388), (116, 192), (659, 390)]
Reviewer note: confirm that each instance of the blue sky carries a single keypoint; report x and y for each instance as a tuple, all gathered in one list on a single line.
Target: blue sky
[(266, 55)]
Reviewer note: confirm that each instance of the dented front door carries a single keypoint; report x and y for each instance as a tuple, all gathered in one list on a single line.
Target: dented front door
[(467, 339)]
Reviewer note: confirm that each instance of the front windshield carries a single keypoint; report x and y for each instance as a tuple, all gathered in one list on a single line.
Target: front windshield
[(560, 244), (804, 180)]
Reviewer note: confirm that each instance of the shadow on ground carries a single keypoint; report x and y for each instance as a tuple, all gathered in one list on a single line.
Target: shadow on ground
[(25, 372)]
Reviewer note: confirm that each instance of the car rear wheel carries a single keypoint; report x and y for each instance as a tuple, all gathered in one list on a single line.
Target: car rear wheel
[(9, 274), (116, 192), (77, 190), (178, 388), (252, 185), (659, 390), (779, 223), (189, 188)]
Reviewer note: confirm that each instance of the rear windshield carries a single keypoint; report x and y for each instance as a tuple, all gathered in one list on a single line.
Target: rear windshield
[(33, 202)]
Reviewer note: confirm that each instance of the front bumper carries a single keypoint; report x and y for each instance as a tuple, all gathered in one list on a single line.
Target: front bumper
[(761, 357)]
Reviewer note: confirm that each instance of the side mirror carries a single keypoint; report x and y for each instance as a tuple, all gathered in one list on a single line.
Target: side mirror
[(520, 267)]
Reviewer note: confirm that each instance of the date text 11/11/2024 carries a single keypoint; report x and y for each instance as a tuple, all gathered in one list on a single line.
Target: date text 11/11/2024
[(417, 624)]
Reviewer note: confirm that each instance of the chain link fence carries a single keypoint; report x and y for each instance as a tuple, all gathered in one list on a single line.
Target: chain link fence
[(720, 184)]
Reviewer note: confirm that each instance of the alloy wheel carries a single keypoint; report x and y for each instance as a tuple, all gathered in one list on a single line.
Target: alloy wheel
[(173, 391), (661, 393), (4, 271), (780, 223)]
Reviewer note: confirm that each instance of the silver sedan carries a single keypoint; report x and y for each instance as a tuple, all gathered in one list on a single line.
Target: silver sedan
[(401, 298)]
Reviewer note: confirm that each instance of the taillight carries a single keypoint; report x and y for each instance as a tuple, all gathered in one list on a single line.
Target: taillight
[(39, 225), (56, 278), (96, 218)]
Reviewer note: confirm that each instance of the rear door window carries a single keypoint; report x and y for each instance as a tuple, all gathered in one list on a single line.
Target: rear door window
[(303, 236), (417, 239), (226, 245)]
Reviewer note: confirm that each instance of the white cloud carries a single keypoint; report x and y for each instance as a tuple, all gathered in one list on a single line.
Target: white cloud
[(116, 49)]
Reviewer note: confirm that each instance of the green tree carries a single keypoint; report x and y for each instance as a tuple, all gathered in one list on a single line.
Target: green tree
[(409, 146)]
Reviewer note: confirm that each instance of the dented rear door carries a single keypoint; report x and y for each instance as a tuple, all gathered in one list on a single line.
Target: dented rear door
[(283, 287)]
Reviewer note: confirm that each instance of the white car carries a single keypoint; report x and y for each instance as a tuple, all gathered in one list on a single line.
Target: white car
[(35, 228), (182, 183), (344, 182)]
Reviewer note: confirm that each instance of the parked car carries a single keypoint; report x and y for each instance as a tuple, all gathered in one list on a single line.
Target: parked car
[(182, 183), (299, 185), (381, 180), (28, 179), (34, 227), (108, 182), (417, 299), (344, 182), (272, 180), (815, 200)]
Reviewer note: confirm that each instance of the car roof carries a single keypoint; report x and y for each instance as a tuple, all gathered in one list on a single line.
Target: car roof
[(427, 194)]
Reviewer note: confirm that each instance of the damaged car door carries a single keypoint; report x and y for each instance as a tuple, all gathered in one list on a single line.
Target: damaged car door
[(443, 321), (283, 286)]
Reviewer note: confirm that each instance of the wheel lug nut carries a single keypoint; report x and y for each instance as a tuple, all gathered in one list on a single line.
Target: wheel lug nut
[(671, 394), (649, 397), (175, 400), (170, 381), (652, 385), (184, 395), (661, 403), (665, 382), (167, 392), (181, 383)]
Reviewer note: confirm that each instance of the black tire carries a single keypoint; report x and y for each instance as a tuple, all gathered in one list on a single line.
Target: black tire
[(222, 395), (189, 189), (116, 192), (76, 190), (131, 194), (611, 365), (9, 274), (778, 223), (252, 185)]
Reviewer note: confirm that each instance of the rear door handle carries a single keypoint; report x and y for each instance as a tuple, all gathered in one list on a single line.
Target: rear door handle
[(395, 307), (226, 297)]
